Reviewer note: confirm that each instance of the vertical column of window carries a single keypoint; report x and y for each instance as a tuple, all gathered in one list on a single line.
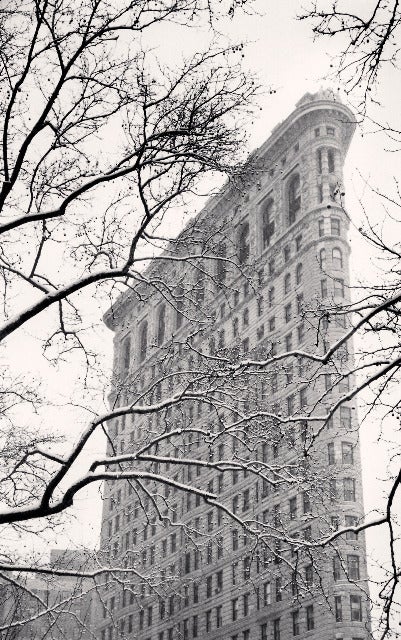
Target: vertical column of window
[(294, 198), (268, 225)]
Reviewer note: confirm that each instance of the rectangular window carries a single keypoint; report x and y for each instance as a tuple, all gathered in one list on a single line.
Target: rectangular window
[(219, 617), (339, 287), (263, 631), (208, 620), (234, 609), (335, 226), (298, 243), (295, 623), (309, 574), (310, 618), (331, 453), (195, 627), (306, 502), (351, 521), (347, 450), (271, 267), (287, 312), (349, 489), (267, 596), (271, 297), (276, 629), (356, 608), (338, 608), (321, 227), (353, 567), (336, 568), (323, 288), (345, 417), (293, 508), (245, 603)]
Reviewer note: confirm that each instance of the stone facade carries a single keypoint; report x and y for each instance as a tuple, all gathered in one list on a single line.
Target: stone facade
[(280, 285)]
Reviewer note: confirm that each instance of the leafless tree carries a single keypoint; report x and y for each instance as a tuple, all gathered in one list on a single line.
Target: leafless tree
[(79, 223)]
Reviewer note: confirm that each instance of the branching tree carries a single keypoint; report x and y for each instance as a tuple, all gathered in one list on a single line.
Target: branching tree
[(102, 145)]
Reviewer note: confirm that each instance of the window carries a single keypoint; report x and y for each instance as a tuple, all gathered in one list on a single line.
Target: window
[(245, 603), (295, 623), (219, 617), (321, 227), (234, 608), (331, 453), (322, 259), (276, 629), (208, 620), (271, 267), (126, 348), (267, 595), (219, 581), (347, 450), (272, 324), (336, 568), (310, 618), (356, 608), (243, 243), (300, 302), (260, 306), (306, 502), (271, 297), (245, 317), (351, 521), (221, 270), (179, 303), (299, 273), (298, 243), (331, 160), (317, 132), (330, 131), (309, 574), (235, 539), (209, 552), (287, 312), (345, 417), (353, 567), (335, 226), (320, 161), (303, 399), (245, 500), (263, 631), (323, 288), (294, 198), (267, 222), (338, 608), (235, 328), (287, 283), (143, 341), (287, 253), (349, 489), (279, 595), (337, 258), (339, 287)]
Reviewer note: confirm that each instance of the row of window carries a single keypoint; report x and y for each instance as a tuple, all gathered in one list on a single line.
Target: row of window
[(243, 250), (213, 619)]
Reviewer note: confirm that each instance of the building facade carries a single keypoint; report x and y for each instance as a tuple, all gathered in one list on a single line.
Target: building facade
[(246, 462), (50, 606)]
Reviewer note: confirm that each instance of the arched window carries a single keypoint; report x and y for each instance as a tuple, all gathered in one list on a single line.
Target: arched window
[(322, 258), (331, 160), (161, 325), (243, 243), (294, 198), (143, 341), (267, 222), (337, 258), (299, 273)]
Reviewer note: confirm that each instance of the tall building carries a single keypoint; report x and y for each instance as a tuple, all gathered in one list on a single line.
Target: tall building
[(261, 271), (37, 606)]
